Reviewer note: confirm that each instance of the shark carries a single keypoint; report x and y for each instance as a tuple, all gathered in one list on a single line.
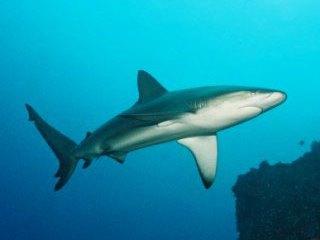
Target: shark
[(192, 117)]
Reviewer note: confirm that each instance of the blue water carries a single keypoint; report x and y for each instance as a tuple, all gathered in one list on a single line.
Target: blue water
[(76, 63)]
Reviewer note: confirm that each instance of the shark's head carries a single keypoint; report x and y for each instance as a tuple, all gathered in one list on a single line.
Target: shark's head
[(255, 100), (236, 105)]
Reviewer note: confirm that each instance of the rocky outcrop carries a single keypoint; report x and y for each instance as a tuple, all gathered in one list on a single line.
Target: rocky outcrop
[(282, 201)]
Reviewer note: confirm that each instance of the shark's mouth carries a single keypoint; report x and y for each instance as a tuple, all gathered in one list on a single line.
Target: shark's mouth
[(251, 111)]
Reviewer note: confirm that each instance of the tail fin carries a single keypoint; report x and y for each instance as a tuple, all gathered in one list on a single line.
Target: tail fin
[(61, 145)]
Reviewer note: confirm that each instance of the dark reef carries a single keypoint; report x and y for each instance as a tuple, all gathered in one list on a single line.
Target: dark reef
[(282, 201)]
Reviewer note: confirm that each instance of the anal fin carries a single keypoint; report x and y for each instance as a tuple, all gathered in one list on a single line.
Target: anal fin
[(87, 163)]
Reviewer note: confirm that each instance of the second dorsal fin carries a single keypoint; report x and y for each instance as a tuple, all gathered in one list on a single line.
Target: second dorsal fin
[(149, 87)]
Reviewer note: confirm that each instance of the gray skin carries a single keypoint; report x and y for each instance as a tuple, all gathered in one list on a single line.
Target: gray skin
[(192, 117), (138, 127)]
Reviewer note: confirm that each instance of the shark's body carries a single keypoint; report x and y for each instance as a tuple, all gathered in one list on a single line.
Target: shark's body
[(192, 117)]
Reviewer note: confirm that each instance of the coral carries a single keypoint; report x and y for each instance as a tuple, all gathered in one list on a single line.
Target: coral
[(280, 201)]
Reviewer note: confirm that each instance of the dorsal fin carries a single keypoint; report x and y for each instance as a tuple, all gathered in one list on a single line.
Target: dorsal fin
[(149, 87)]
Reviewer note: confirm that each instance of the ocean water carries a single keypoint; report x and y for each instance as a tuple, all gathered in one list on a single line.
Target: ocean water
[(76, 62)]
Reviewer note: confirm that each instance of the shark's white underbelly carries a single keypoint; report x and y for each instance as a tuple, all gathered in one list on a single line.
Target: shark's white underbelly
[(185, 126), (207, 121), (146, 136)]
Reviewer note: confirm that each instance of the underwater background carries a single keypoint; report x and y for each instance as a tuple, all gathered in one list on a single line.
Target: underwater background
[(76, 62)]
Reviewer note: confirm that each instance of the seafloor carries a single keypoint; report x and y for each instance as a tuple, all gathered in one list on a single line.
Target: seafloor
[(281, 201)]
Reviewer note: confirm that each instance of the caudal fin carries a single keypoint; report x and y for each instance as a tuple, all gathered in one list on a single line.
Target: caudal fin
[(61, 145)]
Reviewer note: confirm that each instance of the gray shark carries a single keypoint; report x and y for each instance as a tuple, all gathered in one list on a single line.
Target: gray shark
[(193, 117)]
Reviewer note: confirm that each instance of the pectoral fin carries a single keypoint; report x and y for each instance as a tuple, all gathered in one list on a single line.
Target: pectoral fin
[(204, 150)]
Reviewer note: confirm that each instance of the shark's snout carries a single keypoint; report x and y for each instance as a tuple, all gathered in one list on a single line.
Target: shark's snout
[(273, 99), (277, 97)]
